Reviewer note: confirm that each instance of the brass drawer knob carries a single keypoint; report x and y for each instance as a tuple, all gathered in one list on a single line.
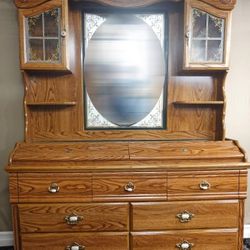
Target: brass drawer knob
[(204, 185), (53, 188), (75, 246), (185, 216), (73, 219), (184, 245), (63, 33), (130, 187)]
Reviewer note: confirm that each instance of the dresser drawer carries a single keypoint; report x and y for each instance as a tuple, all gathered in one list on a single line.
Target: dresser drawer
[(69, 241), (185, 215), (173, 240), (73, 217), (129, 187), (198, 185), (54, 187)]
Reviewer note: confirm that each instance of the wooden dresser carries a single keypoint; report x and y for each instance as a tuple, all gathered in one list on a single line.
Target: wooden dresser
[(131, 195), (102, 178)]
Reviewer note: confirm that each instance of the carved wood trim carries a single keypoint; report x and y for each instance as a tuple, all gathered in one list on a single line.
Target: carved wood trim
[(26, 4), (127, 3), (221, 4)]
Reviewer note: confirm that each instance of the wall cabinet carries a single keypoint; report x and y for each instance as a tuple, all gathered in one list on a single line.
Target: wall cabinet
[(43, 36), (207, 36)]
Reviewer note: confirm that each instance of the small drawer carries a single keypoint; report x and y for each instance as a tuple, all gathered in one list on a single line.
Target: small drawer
[(174, 240), (73, 217), (185, 215), (198, 185), (56, 187), (75, 241), (129, 187)]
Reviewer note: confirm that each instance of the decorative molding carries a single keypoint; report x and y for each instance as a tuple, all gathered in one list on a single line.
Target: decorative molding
[(128, 3), (247, 231), (6, 239)]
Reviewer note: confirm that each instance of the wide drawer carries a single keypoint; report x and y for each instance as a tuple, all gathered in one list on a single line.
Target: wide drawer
[(73, 217), (129, 187), (173, 240), (203, 185), (70, 241), (56, 187), (185, 215)]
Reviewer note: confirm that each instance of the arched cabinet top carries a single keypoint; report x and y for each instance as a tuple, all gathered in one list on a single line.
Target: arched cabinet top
[(220, 4)]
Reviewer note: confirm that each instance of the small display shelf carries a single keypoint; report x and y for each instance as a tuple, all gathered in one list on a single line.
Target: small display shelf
[(198, 103), (66, 103)]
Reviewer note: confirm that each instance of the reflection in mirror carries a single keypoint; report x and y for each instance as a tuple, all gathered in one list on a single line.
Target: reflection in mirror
[(124, 71)]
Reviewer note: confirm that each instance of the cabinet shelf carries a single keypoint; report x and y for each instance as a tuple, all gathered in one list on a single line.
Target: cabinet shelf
[(51, 103), (212, 103)]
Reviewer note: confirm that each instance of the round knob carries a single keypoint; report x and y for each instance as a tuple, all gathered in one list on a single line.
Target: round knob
[(185, 245), (75, 246), (204, 185), (185, 216), (73, 219), (130, 187), (63, 33), (53, 188)]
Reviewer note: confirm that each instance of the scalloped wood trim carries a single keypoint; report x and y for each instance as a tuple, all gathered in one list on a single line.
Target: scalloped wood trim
[(127, 3), (221, 4), (27, 4)]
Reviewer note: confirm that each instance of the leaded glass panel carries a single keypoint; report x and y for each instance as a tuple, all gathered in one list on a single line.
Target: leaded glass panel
[(207, 38)]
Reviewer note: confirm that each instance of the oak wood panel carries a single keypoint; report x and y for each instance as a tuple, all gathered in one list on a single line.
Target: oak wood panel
[(13, 188), (91, 241), (222, 4), (184, 150), (206, 214), (112, 188), (187, 186), (49, 87), (95, 217), (29, 3), (202, 239), (72, 187), (71, 151), (91, 151), (15, 226), (243, 184)]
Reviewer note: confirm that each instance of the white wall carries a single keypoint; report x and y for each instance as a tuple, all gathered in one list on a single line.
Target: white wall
[(238, 83)]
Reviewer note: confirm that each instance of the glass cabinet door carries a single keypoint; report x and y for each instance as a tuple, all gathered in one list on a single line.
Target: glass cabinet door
[(43, 37), (206, 36)]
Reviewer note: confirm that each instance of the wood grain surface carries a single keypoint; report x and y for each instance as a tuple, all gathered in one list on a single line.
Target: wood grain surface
[(91, 241), (206, 214), (95, 217), (72, 188), (202, 239)]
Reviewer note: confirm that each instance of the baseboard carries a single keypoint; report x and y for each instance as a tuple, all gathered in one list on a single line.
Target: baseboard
[(6, 239), (247, 231)]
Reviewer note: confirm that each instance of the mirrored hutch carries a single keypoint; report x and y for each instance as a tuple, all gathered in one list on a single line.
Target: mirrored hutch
[(125, 144)]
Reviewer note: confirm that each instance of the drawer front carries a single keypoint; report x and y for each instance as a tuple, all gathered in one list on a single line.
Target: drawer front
[(54, 187), (185, 215), (73, 217), (129, 188), (173, 240), (62, 241), (203, 186)]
